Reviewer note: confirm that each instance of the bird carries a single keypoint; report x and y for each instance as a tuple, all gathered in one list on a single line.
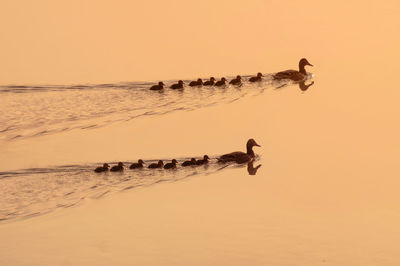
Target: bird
[(238, 156), (189, 163), (199, 82), (139, 164), (256, 78), (220, 82), (203, 161), (103, 168), (158, 87), (160, 164), (178, 85), (209, 82), (294, 74), (117, 168), (236, 81), (171, 165)]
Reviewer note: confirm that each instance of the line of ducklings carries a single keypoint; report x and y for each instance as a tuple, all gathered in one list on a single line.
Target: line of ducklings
[(294, 75)]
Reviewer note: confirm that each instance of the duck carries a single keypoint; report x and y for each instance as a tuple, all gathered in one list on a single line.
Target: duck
[(209, 82), (117, 168), (178, 85), (294, 74), (194, 83), (203, 161), (256, 78), (236, 81), (171, 165), (160, 164), (158, 87), (251, 169), (189, 163), (238, 156), (103, 168), (220, 82), (139, 164)]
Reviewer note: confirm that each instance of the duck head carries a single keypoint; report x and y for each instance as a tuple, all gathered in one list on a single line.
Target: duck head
[(206, 158), (238, 77), (200, 81), (160, 163), (120, 164), (174, 161), (140, 161), (212, 79), (303, 62), (259, 74), (160, 83), (193, 160), (180, 82), (223, 79), (106, 165)]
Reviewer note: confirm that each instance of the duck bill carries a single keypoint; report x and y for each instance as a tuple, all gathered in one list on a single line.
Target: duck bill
[(310, 64), (257, 145)]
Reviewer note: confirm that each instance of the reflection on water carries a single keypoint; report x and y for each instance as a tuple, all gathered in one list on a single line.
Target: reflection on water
[(304, 87), (251, 169)]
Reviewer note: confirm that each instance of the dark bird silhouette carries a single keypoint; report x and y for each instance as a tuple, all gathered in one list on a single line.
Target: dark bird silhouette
[(117, 168), (139, 164), (256, 78), (178, 85), (199, 82), (158, 87), (171, 164), (236, 81), (305, 87), (160, 164), (220, 82), (294, 74), (189, 163), (251, 169), (209, 82), (103, 168), (203, 161), (238, 156)]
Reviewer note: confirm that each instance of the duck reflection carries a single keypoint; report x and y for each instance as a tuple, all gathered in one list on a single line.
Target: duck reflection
[(251, 169), (303, 86)]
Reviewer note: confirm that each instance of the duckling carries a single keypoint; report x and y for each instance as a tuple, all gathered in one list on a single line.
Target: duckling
[(171, 164), (103, 168), (178, 85), (236, 81), (199, 82), (117, 168), (294, 74), (220, 82), (139, 164), (203, 161), (256, 78), (158, 87), (160, 164), (238, 156), (209, 82), (189, 163)]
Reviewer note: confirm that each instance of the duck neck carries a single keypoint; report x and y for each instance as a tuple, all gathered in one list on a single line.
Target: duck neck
[(302, 69), (250, 151)]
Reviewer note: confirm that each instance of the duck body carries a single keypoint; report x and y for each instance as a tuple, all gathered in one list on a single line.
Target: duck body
[(171, 165), (117, 168), (177, 86), (257, 78), (103, 168), (199, 82), (139, 164), (203, 161), (160, 164), (238, 156), (294, 74), (157, 87), (189, 163), (236, 81), (210, 82), (220, 82)]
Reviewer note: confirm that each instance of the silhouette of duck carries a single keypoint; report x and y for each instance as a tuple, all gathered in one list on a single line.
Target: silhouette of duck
[(238, 156), (160, 164), (189, 163), (236, 81), (139, 164), (158, 87), (294, 74), (251, 169), (171, 164), (117, 168), (220, 82), (209, 82), (103, 168), (203, 161), (178, 85), (303, 86), (256, 78), (199, 82)]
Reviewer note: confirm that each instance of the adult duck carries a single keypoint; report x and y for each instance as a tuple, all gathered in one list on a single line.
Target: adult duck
[(160, 164), (209, 82), (236, 81), (157, 87), (221, 82), (189, 163), (238, 156), (171, 164), (139, 164), (194, 83), (203, 161), (178, 85), (117, 168), (294, 74), (256, 78), (103, 168)]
